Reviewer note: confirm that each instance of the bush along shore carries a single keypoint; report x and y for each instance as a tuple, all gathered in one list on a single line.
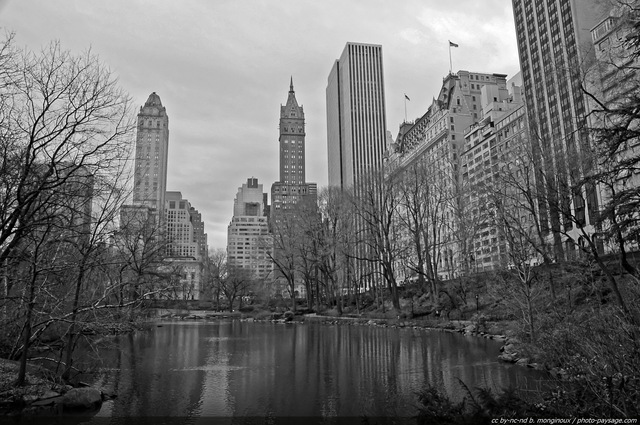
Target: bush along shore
[(45, 393), (43, 396)]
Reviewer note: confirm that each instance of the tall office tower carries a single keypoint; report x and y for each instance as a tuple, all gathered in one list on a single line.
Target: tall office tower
[(152, 146), (248, 242), (292, 187), (356, 117), (555, 48)]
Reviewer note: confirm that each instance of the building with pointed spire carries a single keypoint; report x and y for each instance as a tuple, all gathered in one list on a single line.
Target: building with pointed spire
[(292, 134), (291, 195), (292, 187)]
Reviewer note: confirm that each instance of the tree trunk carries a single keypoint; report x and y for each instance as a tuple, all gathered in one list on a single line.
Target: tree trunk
[(309, 288), (27, 333), (72, 328), (338, 299), (552, 287), (231, 300), (395, 297), (317, 293), (532, 332), (613, 283)]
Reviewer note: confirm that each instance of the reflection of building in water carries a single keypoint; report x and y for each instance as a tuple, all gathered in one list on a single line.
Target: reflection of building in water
[(157, 373), (276, 369), (267, 370), (352, 371), (216, 399)]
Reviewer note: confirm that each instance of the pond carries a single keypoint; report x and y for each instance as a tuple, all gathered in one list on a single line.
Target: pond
[(233, 368)]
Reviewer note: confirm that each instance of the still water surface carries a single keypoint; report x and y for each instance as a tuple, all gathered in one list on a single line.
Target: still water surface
[(234, 368)]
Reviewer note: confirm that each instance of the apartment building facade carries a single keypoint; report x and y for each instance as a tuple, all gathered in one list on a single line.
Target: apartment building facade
[(248, 241), (435, 143)]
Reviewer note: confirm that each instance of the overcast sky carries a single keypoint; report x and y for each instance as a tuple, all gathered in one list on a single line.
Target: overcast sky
[(222, 70)]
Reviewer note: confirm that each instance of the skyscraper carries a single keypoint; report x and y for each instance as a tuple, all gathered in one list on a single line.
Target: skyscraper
[(186, 245), (152, 145), (291, 187), (292, 134), (555, 47), (248, 243), (356, 117)]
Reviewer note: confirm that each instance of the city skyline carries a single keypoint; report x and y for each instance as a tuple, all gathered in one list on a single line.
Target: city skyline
[(220, 70)]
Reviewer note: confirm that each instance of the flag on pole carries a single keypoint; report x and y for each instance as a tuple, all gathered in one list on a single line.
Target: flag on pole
[(452, 44), (406, 97)]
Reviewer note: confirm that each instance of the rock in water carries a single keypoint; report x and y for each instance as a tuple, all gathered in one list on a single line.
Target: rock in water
[(82, 399)]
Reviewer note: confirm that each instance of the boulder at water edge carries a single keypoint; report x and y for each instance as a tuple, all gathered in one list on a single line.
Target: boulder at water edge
[(82, 399)]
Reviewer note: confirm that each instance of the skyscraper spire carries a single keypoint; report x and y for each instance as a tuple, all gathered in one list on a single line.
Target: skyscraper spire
[(291, 86)]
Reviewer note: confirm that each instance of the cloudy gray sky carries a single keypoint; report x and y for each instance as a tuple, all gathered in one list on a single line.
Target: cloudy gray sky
[(222, 70)]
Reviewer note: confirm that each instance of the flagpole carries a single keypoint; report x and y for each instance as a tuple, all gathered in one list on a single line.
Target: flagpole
[(450, 63), (405, 107)]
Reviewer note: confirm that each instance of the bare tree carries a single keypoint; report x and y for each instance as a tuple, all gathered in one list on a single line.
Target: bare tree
[(377, 208), (236, 284), (308, 243), (336, 242), (521, 285), (64, 115), (215, 271), (285, 253), (64, 123), (141, 247), (427, 196)]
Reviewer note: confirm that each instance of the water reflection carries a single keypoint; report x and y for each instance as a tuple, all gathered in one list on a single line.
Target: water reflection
[(238, 368)]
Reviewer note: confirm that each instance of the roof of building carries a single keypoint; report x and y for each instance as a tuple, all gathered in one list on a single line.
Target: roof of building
[(292, 104), (154, 100)]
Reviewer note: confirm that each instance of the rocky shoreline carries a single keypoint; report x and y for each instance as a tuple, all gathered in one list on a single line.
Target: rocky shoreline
[(510, 351), (43, 397)]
